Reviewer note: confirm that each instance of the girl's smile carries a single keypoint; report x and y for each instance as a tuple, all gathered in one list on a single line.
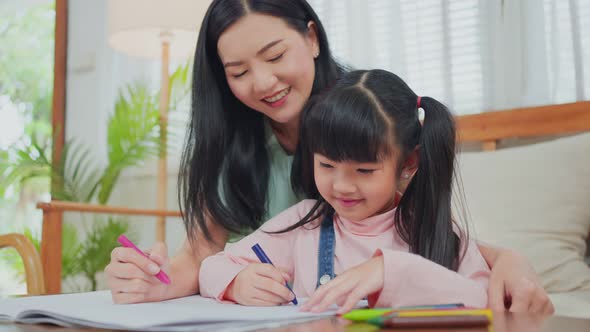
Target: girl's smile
[(356, 190), (348, 203)]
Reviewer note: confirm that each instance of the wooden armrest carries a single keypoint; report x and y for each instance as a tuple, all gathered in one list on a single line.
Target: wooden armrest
[(524, 122), (61, 206), (31, 260)]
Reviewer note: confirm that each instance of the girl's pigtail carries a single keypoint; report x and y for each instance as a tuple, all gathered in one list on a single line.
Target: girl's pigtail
[(424, 212)]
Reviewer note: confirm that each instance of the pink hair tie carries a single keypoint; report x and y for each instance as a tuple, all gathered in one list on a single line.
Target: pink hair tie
[(418, 102)]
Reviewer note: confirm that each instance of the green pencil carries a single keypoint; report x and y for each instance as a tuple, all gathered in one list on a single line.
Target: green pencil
[(363, 315)]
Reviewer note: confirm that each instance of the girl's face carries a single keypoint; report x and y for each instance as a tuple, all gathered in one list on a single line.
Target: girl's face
[(356, 190), (269, 66)]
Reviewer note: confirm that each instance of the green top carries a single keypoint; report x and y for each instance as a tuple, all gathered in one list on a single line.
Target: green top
[(280, 195)]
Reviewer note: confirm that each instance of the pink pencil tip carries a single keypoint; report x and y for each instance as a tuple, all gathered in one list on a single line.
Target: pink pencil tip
[(163, 277), (122, 239)]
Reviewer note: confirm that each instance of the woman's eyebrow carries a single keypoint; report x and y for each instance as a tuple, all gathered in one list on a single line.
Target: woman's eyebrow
[(267, 46), (262, 50)]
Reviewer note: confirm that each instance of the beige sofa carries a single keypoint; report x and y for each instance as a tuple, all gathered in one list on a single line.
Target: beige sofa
[(536, 199)]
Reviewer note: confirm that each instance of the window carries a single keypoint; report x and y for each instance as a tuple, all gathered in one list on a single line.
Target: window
[(472, 55)]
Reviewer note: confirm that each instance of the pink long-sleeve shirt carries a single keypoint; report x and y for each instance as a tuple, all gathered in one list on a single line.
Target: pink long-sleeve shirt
[(409, 279)]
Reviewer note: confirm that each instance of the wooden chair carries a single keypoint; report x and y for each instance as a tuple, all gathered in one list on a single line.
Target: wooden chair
[(31, 260)]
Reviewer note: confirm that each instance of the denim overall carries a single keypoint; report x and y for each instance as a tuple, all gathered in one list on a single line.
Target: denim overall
[(326, 250)]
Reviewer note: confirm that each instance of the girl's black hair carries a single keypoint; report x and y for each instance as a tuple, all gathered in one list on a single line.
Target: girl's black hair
[(373, 114), (226, 139)]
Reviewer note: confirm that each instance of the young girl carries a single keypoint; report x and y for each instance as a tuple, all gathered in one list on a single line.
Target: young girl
[(360, 142)]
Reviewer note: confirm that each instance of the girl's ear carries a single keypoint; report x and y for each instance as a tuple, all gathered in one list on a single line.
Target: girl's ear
[(409, 168), (312, 35)]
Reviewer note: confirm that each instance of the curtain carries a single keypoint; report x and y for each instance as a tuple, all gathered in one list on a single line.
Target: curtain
[(473, 55)]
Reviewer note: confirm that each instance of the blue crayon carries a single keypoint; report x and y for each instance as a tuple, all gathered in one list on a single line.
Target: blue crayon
[(264, 259)]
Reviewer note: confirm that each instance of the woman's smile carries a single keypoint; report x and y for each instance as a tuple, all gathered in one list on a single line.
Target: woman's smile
[(278, 99)]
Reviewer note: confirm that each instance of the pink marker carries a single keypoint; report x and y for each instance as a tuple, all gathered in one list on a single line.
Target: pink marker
[(125, 242)]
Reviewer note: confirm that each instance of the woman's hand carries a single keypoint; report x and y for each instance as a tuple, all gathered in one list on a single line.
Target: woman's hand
[(514, 285), (259, 285), (130, 276), (349, 288)]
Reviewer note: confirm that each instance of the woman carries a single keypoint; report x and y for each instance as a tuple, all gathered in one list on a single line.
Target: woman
[(257, 62)]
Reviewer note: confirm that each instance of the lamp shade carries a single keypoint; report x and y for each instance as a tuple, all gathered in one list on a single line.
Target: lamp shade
[(137, 27)]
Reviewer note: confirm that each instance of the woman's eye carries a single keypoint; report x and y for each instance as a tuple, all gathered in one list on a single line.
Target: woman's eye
[(365, 170), (240, 74), (276, 58)]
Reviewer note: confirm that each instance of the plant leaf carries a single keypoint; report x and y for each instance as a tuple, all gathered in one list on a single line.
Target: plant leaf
[(133, 135), (102, 239)]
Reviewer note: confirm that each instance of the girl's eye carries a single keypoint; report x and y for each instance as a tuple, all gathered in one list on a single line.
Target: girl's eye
[(365, 171), (324, 165), (240, 74), (277, 58)]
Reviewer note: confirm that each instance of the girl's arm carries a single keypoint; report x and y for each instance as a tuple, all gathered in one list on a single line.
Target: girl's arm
[(410, 279), (396, 278), (219, 271)]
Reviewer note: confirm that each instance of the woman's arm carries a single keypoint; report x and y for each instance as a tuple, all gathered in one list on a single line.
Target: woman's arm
[(489, 253), (130, 276), (185, 266), (514, 284)]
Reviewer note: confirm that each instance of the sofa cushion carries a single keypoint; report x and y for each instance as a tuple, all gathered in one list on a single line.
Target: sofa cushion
[(572, 304), (534, 199)]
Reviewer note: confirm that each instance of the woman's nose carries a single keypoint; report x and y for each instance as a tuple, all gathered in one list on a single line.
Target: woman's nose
[(264, 82)]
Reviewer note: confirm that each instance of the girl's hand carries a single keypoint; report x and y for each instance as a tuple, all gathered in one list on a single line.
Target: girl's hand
[(514, 285), (130, 276), (259, 285), (349, 288)]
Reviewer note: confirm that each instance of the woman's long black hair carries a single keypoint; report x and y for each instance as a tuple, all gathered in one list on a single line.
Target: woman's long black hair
[(226, 139), (372, 114)]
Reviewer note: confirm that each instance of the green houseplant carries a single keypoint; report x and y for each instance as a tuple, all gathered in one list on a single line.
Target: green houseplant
[(133, 137)]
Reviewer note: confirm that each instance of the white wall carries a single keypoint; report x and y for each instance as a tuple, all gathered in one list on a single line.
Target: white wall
[(86, 94), (95, 73)]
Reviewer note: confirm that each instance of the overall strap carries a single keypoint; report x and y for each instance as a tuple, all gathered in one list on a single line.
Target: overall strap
[(326, 250)]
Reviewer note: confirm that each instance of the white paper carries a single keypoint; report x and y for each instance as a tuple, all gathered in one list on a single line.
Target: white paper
[(96, 309)]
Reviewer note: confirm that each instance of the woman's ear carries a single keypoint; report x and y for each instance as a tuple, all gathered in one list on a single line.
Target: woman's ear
[(409, 168), (312, 35)]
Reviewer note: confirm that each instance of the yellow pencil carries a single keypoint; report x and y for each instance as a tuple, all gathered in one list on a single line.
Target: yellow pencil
[(452, 312)]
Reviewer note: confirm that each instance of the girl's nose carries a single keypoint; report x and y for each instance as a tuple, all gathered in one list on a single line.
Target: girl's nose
[(343, 186)]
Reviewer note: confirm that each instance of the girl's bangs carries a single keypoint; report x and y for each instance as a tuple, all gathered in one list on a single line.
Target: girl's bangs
[(347, 126)]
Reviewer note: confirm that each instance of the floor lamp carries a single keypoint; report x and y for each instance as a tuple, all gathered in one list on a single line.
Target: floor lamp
[(157, 29)]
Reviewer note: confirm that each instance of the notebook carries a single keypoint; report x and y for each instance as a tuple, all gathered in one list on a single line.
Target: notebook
[(193, 313)]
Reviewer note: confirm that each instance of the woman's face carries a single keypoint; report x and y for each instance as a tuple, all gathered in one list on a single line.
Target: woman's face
[(269, 66)]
